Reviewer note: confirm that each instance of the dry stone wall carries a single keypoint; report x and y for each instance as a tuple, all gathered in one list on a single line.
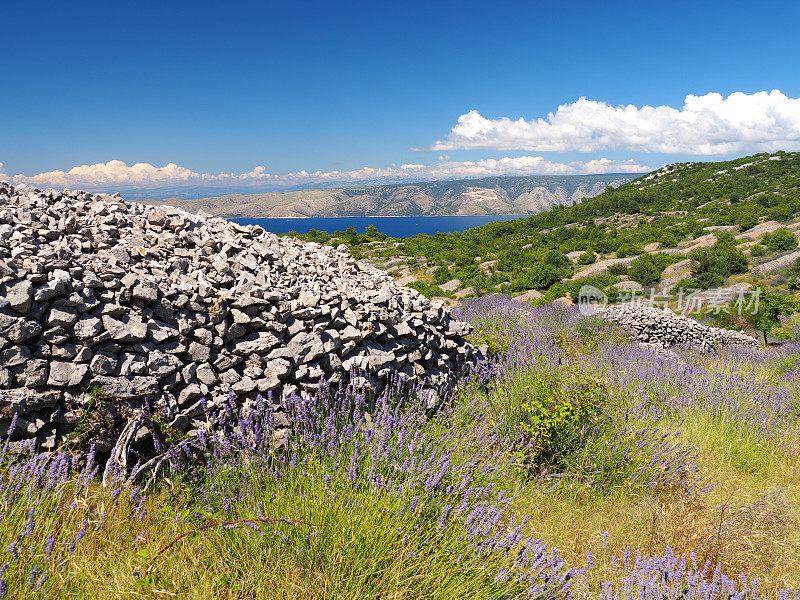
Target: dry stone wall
[(664, 328), (159, 307)]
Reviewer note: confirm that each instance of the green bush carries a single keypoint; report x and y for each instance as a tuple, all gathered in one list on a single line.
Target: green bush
[(544, 275), (515, 257), (758, 250), (372, 234), (771, 307), (780, 240), (645, 272), (441, 275), (722, 259), (497, 345), (559, 260), (748, 221), (783, 334), (587, 258), (547, 412), (557, 290), (618, 269), (780, 213), (709, 280), (626, 249), (603, 282), (647, 268), (703, 281)]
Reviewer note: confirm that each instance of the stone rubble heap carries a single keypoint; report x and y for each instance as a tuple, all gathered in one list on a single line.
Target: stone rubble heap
[(664, 328), (161, 308)]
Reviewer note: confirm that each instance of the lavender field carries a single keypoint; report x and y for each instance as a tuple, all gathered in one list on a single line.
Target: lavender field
[(572, 463)]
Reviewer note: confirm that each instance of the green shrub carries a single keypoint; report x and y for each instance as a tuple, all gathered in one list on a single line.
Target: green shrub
[(626, 249), (557, 290), (780, 213), (441, 275), (603, 282), (514, 258), (543, 275), (709, 280), (547, 412), (618, 269), (748, 221), (587, 258), (771, 307), (758, 250), (372, 233), (645, 272), (647, 268), (497, 345), (780, 240), (703, 281), (782, 334), (722, 259), (559, 260)]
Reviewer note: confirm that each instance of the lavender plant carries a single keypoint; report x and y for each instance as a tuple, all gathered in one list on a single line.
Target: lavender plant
[(342, 493)]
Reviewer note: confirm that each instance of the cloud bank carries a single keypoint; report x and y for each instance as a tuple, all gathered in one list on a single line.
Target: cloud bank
[(704, 125), (117, 174)]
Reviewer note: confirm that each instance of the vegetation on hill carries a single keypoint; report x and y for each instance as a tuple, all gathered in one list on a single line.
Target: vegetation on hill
[(652, 222), (665, 207)]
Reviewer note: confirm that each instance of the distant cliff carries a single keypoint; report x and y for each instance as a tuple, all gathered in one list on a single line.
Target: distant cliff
[(490, 196)]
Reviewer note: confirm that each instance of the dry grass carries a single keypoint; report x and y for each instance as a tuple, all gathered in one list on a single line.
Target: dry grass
[(748, 523)]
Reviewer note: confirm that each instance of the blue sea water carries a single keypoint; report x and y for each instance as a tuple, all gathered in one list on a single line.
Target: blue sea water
[(391, 226)]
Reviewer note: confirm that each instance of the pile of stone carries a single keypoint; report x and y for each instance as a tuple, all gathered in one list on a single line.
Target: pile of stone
[(664, 328), (160, 308)]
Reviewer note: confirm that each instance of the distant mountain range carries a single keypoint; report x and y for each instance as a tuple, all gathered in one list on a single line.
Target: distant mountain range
[(490, 196)]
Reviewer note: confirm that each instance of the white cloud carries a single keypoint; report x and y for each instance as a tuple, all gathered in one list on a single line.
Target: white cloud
[(604, 165), (117, 174), (705, 125)]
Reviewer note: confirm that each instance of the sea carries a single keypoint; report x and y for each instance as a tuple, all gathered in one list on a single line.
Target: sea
[(392, 226)]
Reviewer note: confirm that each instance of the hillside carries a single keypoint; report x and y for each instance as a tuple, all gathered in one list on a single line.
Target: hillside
[(489, 196), (658, 232)]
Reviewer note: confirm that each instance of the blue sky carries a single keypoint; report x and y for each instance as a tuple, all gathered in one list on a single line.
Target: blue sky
[(336, 87)]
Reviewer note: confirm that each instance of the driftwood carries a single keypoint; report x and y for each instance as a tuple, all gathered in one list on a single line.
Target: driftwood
[(118, 461), (155, 464)]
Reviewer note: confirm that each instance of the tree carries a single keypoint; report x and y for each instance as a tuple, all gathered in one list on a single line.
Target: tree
[(352, 236), (644, 270), (557, 259), (771, 307), (372, 233), (587, 258), (542, 276)]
